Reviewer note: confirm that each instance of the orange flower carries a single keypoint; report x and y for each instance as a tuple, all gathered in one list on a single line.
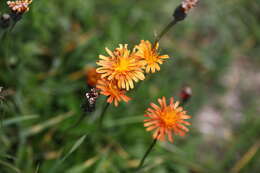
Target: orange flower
[(110, 89), (122, 66), (21, 6), (92, 77), (166, 119), (148, 52)]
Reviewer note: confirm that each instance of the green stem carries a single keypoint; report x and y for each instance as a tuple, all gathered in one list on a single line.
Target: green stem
[(12, 27), (4, 35), (81, 118), (164, 31), (146, 153), (101, 118), (8, 31)]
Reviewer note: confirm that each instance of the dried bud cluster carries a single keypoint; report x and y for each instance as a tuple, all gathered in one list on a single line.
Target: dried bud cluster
[(21, 6), (187, 5), (91, 97)]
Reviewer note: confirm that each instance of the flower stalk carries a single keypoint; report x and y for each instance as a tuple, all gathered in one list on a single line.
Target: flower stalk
[(101, 118), (164, 31), (146, 154), (179, 14)]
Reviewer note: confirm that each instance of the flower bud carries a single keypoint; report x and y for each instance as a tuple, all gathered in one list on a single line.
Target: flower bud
[(179, 14), (181, 11), (185, 94)]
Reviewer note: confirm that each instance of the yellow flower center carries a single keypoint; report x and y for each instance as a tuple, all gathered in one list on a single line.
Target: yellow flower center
[(123, 65), (169, 117)]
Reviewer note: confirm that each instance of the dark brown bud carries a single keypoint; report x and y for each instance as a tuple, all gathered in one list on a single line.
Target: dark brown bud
[(185, 94), (179, 14), (181, 11)]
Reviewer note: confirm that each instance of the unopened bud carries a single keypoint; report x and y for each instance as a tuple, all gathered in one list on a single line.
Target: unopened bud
[(179, 14), (181, 11), (185, 94)]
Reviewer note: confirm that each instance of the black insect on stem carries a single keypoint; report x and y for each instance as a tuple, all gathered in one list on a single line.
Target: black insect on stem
[(90, 100), (5, 21)]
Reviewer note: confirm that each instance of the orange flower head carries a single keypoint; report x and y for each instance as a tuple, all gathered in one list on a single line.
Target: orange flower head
[(166, 119), (21, 6), (121, 66), (110, 89), (92, 77), (150, 54)]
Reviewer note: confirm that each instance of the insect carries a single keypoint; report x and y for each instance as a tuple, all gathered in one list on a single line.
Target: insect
[(1, 94), (90, 102), (5, 93)]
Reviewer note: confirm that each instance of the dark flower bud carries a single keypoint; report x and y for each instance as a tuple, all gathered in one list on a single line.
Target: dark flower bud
[(179, 14), (5, 21), (181, 11), (185, 94)]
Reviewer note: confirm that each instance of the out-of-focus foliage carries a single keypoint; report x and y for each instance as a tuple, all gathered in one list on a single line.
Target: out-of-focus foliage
[(215, 51)]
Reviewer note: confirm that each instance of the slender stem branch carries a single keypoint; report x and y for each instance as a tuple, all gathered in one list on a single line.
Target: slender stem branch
[(81, 118), (12, 27), (164, 31), (101, 118), (8, 31), (146, 153), (4, 35)]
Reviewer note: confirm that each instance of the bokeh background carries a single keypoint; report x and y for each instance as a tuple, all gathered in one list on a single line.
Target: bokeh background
[(42, 69)]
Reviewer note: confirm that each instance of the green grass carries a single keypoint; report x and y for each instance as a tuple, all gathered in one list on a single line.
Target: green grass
[(57, 38)]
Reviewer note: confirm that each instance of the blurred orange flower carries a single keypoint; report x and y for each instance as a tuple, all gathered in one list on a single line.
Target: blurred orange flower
[(149, 53), (110, 89), (21, 6), (121, 66), (166, 119), (92, 77)]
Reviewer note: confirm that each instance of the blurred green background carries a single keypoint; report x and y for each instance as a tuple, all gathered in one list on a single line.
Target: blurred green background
[(215, 51)]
